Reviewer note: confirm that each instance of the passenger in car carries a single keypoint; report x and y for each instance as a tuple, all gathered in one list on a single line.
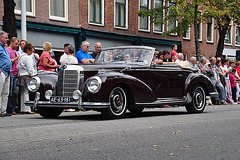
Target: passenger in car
[(127, 57), (82, 55), (156, 60), (166, 54), (180, 57), (174, 58), (160, 55), (135, 56)]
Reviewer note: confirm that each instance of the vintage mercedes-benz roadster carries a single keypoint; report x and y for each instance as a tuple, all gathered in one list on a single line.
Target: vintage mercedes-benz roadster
[(120, 79)]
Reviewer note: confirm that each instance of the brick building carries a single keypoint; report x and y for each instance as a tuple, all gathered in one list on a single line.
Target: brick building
[(111, 22)]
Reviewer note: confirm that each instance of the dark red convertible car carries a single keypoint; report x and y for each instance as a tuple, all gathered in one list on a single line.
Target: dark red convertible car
[(122, 78)]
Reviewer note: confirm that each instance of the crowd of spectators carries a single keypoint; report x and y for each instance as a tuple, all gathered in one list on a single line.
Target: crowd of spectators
[(224, 74), (17, 68)]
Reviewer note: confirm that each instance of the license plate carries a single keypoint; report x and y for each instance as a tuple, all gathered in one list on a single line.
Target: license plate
[(58, 99)]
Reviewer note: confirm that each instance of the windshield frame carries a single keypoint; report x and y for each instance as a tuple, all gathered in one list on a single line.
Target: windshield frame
[(151, 49)]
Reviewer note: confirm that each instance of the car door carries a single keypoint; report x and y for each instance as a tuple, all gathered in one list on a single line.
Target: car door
[(167, 81)]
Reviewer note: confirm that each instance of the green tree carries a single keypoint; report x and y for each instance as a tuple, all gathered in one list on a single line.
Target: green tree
[(186, 12), (223, 12)]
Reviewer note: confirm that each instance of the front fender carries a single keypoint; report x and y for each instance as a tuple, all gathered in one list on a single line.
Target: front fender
[(48, 82), (140, 91)]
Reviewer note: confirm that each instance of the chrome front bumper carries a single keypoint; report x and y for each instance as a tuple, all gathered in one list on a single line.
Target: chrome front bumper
[(76, 105)]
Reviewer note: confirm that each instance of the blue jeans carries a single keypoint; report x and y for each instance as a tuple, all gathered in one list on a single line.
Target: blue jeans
[(13, 92), (220, 88)]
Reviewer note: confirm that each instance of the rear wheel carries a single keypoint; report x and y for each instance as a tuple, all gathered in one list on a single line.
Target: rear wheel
[(198, 100), (49, 112), (118, 104)]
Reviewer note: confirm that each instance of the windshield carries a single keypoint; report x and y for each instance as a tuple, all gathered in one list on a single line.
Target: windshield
[(129, 55)]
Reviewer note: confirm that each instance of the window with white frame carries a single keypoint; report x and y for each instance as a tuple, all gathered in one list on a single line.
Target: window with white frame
[(58, 10), (144, 22), (187, 34), (210, 30), (171, 23), (96, 11), (30, 7), (199, 27), (121, 14), (228, 36), (159, 27), (237, 35)]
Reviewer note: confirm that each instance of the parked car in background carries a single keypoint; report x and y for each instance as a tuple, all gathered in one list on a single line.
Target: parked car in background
[(122, 78)]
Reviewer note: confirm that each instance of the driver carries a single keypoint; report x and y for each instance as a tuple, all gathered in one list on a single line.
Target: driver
[(127, 57)]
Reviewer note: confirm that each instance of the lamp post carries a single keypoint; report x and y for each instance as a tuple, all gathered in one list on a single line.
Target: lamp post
[(23, 20)]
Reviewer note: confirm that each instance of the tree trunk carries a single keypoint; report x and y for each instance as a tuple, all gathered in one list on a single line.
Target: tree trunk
[(196, 29), (220, 46), (9, 19)]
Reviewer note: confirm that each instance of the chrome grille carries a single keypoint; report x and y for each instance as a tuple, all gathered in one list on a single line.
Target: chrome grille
[(68, 81)]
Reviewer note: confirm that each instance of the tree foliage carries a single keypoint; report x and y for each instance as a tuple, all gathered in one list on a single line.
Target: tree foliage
[(184, 11), (223, 12)]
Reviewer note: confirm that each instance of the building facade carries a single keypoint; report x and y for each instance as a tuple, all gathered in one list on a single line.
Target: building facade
[(111, 22)]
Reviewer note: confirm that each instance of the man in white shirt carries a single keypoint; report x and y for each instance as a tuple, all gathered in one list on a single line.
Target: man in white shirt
[(65, 52), (69, 59), (22, 44)]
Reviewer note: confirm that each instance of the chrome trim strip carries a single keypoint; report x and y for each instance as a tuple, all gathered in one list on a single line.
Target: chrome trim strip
[(163, 101), (213, 94), (84, 105)]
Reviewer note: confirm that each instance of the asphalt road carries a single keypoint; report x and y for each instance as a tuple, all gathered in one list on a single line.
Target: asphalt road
[(168, 133)]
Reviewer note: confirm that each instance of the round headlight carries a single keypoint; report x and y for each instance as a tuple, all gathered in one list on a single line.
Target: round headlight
[(34, 84), (94, 84), (77, 94), (48, 94)]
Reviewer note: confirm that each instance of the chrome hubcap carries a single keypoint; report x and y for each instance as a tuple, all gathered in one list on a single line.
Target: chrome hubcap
[(118, 101), (199, 98)]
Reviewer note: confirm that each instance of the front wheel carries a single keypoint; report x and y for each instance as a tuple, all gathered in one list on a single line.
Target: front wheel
[(118, 104), (49, 112), (198, 100)]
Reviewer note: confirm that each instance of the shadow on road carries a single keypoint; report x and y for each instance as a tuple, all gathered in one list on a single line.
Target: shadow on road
[(96, 116)]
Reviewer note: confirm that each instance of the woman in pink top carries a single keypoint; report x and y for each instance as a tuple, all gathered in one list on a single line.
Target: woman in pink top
[(233, 84), (46, 62), (13, 91)]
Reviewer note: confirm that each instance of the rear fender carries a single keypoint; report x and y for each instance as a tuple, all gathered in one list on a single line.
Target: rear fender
[(199, 79)]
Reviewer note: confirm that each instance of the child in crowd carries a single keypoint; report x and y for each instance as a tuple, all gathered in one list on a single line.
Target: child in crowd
[(233, 82)]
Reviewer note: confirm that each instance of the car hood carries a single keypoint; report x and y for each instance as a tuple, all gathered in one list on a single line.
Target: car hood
[(97, 67)]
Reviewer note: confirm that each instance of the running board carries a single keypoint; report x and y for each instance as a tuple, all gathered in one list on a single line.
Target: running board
[(165, 101)]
